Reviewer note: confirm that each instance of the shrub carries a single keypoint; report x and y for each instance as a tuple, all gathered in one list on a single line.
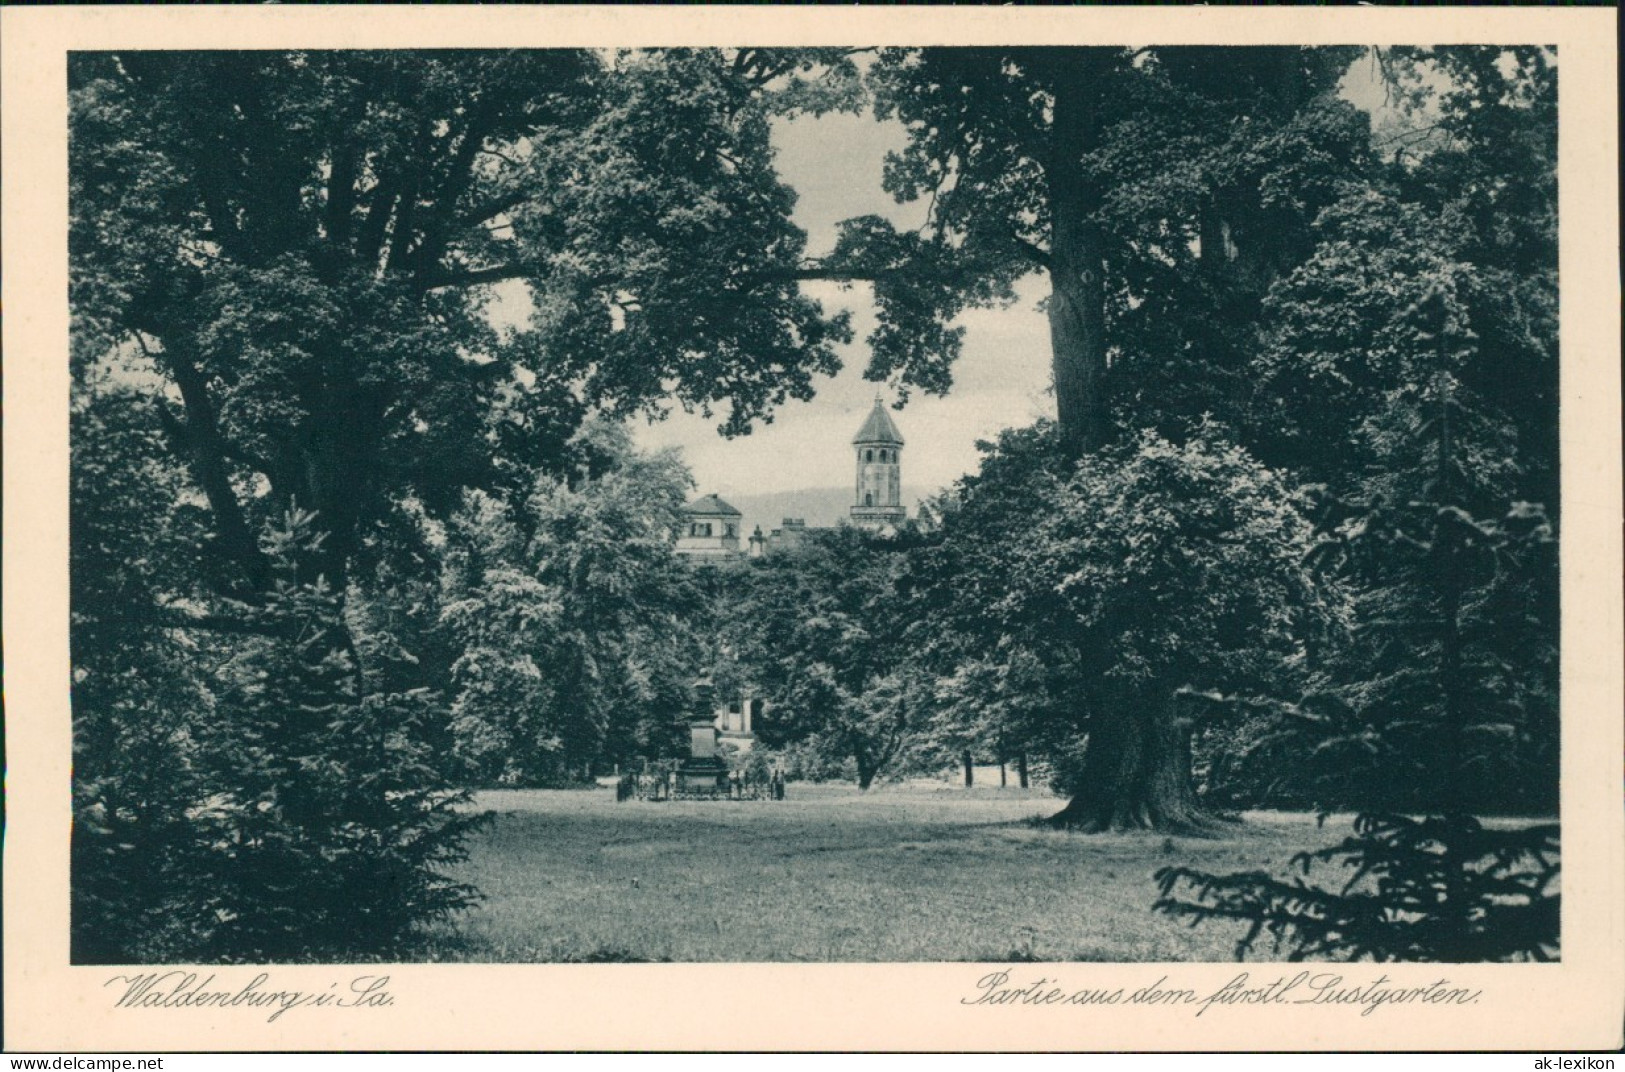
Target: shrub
[(333, 825), (1434, 889)]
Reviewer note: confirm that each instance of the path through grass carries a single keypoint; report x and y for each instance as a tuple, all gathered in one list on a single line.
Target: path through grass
[(834, 875)]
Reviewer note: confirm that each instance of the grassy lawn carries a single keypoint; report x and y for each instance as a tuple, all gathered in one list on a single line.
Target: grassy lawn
[(897, 874)]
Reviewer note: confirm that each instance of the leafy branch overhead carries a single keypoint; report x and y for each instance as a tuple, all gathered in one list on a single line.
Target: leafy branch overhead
[(308, 246)]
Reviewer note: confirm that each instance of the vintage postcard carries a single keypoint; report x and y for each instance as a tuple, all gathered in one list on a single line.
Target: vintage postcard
[(560, 528)]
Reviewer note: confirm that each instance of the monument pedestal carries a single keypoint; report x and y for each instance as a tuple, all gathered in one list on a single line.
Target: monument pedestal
[(704, 771)]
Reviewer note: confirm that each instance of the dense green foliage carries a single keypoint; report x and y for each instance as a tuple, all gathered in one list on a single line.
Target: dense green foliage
[(327, 783), (1148, 571), (1409, 371), (1421, 334)]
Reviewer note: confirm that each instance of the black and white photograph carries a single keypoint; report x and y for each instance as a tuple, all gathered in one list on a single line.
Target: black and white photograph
[(979, 505)]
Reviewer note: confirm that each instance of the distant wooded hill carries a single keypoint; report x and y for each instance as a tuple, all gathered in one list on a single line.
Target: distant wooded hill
[(817, 506)]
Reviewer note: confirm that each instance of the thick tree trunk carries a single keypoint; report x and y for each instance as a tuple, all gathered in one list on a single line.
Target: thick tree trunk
[(1136, 773), (207, 456), (866, 769), (866, 778), (970, 772), (1021, 769), (1077, 313), (1213, 255)]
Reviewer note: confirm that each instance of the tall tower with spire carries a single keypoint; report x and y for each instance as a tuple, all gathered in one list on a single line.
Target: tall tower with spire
[(879, 444)]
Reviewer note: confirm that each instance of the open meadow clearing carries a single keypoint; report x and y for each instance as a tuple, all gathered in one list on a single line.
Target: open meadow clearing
[(897, 874)]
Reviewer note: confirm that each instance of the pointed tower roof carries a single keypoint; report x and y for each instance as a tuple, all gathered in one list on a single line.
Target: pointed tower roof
[(878, 428), (710, 504)]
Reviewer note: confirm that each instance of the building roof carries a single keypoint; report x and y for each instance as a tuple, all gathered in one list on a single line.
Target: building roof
[(710, 504), (878, 428)]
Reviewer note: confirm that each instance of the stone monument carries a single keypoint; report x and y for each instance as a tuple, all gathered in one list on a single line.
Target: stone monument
[(704, 771)]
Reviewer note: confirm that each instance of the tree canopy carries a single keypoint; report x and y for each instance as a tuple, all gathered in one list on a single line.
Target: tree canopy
[(823, 633), (305, 245), (358, 525)]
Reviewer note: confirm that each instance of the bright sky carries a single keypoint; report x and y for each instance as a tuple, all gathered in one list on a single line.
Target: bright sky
[(1002, 379)]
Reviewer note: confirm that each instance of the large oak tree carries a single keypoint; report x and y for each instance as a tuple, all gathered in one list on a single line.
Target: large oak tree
[(1160, 192)]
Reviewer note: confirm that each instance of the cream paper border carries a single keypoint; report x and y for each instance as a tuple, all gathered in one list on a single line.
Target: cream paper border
[(1577, 1004)]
